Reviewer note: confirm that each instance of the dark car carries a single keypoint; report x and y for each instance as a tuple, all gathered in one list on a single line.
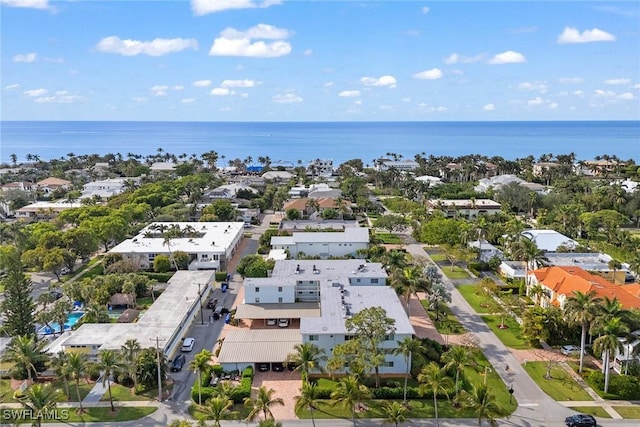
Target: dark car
[(580, 420), (212, 303), (56, 295), (277, 367), (178, 363), (263, 367)]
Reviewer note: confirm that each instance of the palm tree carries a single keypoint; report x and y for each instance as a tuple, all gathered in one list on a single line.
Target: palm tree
[(394, 412), (482, 402), (39, 399), (26, 353), (263, 402), (130, 352), (607, 344), (199, 363), (458, 357), (109, 364), (59, 364), (269, 423), (307, 357), (409, 347), (217, 407), (582, 308), (77, 368), (350, 393), (434, 379), (614, 265), (412, 281), (308, 399)]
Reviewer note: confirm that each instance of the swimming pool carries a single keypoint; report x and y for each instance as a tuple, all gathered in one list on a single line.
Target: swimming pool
[(54, 327)]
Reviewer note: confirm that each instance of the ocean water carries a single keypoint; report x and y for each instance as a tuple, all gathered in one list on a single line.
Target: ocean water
[(305, 141)]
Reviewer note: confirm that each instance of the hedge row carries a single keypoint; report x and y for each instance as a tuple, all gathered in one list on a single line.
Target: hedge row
[(238, 394), (380, 393), (624, 386)]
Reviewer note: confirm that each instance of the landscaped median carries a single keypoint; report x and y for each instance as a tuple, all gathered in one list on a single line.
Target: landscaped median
[(67, 413)]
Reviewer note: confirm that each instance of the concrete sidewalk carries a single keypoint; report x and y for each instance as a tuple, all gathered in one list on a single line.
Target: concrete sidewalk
[(96, 393)]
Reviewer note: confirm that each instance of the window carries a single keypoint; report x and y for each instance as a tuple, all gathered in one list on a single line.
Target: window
[(279, 299), (387, 364), (349, 337), (388, 337), (257, 288), (374, 280), (257, 299), (313, 337), (279, 288)]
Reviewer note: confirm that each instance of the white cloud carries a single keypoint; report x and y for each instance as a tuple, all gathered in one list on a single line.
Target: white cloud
[(553, 106), (178, 87), (203, 7), (636, 86), (159, 90), (406, 99), (188, 100), (328, 85), (617, 81), (625, 96), (432, 74), (27, 57), (35, 92), (289, 98), (539, 86), (11, 87), (571, 80), (357, 102), (244, 95), (53, 60), (240, 43), (425, 10), (32, 4), (535, 101), (604, 93), (572, 35), (156, 47), (221, 91), (578, 92), (489, 107), (239, 83), (308, 52), (456, 58), (139, 99), (381, 81), (349, 93), (60, 98), (508, 57), (202, 83)]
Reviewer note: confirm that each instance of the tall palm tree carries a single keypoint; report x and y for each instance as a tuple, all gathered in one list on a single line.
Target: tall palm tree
[(130, 352), (109, 364), (482, 402), (411, 281), (262, 403), (26, 353), (217, 407), (409, 347), (434, 379), (394, 413), (457, 358), (200, 362), (308, 399), (40, 398), (307, 358), (349, 394), (607, 344), (77, 369), (582, 308), (59, 364)]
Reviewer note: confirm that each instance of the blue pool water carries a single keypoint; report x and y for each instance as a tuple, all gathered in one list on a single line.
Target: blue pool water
[(72, 319)]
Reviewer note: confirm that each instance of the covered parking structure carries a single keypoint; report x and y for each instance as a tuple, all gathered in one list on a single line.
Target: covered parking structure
[(258, 348), (262, 312)]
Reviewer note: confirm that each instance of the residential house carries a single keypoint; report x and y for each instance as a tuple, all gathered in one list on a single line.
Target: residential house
[(549, 240), (464, 208), (228, 191), (307, 206), (498, 181), (51, 184), (18, 185), (277, 176), (400, 165), (431, 181), (318, 167), (107, 188), (628, 354), (324, 244), (486, 250), (44, 210)]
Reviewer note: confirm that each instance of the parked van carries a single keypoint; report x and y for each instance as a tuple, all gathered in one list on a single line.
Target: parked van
[(187, 344)]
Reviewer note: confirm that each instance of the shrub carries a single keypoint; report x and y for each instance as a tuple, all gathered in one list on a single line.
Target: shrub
[(206, 377), (217, 369), (206, 393), (324, 392), (248, 372), (595, 379), (394, 393), (221, 276), (242, 391), (625, 387), (140, 388)]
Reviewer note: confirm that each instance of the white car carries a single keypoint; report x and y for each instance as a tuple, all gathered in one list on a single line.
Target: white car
[(283, 323), (569, 350), (271, 322)]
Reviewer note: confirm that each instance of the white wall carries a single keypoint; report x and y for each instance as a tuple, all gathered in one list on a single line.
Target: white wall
[(269, 294)]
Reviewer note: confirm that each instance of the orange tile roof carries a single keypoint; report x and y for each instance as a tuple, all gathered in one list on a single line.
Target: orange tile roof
[(301, 204), (568, 280), (52, 182)]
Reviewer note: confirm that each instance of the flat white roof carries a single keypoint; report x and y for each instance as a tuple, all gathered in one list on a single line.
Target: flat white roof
[(349, 235), (258, 345), (59, 205), (549, 240), (211, 237)]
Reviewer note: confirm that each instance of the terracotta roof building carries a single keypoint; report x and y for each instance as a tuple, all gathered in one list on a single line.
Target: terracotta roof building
[(560, 283)]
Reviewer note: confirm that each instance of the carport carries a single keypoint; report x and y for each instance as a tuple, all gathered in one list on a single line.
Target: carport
[(253, 347), (277, 311)]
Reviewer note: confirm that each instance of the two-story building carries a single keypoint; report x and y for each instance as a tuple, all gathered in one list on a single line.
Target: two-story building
[(324, 244), (464, 208), (210, 245)]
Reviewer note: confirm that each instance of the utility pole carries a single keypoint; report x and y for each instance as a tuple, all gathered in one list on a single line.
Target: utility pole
[(157, 340), (200, 303)]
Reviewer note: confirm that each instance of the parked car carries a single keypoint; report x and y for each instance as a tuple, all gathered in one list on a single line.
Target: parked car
[(283, 323), (580, 420), (277, 367), (56, 295), (272, 322), (178, 363), (187, 344), (212, 303), (263, 367), (569, 350), (214, 381)]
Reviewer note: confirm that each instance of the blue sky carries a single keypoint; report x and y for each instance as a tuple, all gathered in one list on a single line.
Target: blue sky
[(268, 60)]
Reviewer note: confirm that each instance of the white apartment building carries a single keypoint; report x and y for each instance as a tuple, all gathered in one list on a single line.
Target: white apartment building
[(324, 244), (210, 245), (106, 188)]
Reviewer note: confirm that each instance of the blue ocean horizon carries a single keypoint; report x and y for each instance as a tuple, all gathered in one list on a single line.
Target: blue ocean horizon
[(290, 142)]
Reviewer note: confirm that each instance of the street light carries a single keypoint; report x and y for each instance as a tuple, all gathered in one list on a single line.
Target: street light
[(157, 340)]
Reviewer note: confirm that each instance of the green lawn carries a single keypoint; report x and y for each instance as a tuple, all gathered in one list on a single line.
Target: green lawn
[(596, 411), (121, 393), (438, 256), (69, 415), (628, 411), (72, 396), (6, 394), (478, 302), (451, 326), (511, 336), (456, 273), (389, 238), (238, 412), (560, 387)]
